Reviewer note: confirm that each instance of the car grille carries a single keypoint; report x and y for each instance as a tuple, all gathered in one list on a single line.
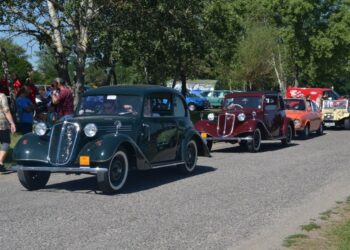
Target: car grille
[(328, 117), (226, 123), (62, 142)]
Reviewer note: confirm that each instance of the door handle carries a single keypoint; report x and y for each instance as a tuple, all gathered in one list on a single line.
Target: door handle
[(147, 130)]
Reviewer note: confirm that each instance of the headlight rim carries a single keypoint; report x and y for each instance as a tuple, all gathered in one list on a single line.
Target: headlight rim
[(42, 126), (241, 117), (211, 116), (92, 127)]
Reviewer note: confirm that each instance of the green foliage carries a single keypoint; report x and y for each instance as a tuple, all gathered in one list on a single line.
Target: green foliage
[(292, 239), (16, 59)]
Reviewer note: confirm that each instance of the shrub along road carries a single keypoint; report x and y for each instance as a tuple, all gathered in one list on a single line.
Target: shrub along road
[(236, 200)]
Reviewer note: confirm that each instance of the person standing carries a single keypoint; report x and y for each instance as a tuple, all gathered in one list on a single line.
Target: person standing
[(63, 99), (25, 110), (7, 126)]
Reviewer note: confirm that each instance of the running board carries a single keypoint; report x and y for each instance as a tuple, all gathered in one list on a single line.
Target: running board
[(170, 164)]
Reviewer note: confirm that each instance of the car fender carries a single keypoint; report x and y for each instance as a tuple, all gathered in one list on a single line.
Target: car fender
[(206, 126), (251, 125), (201, 144), (103, 149), (287, 121), (31, 147)]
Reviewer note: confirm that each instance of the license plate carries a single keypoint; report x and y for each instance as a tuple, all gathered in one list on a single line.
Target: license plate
[(204, 135), (84, 160), (329, 124)]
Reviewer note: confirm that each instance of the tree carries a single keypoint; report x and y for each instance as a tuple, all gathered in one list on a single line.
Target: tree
[(16, 59)]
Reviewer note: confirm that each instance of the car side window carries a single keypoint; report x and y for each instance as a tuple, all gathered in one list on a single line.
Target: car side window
[(159, 104), (179, 108), (314, 106), (271, 103)]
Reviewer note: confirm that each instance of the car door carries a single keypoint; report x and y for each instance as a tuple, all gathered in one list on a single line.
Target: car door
[(316, 117), (160, 131), (273, 116)]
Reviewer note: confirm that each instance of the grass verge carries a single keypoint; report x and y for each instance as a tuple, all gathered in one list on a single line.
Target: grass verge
[(332, 231)]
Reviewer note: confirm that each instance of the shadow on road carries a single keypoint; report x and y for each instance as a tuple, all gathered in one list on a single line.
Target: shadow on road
[(265, 147), (137, 180)]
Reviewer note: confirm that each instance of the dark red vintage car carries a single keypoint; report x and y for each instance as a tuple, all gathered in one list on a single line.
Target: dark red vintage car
[(248, 118)]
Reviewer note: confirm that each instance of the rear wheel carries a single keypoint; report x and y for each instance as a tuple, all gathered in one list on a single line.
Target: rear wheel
[(254, 145), (288, 139), (114, 179), (33, 180), (191, 155), (347, 123)]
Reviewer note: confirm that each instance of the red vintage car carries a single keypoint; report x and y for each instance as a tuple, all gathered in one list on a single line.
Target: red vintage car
[(248, 118), (306, 115)]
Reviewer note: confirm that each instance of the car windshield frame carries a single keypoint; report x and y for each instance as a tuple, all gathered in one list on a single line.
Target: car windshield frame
[(255, 102), (109, 105), (297, 106), (329, 104)]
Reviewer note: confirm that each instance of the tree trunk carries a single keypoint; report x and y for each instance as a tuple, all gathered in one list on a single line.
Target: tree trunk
[(296, 75), (183, 82)]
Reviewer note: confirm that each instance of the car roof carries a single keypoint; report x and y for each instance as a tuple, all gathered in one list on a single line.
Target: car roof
[(130, 89), (251, 93)]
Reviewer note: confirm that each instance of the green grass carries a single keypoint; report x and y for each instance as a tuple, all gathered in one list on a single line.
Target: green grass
[(325, 215), (292, 239), (343, 236), (310, 226), (14, 138)]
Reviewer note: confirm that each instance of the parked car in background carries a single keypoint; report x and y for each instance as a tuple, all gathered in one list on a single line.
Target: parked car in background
[(306, 115), (336, 113), (215, 97), (196, 102), (248, 118), (115, 129)]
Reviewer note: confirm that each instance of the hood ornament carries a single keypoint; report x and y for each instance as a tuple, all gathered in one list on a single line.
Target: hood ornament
[(118, 125)]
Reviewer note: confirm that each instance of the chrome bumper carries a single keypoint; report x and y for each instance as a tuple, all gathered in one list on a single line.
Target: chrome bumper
[(86, 169), (238, 139)]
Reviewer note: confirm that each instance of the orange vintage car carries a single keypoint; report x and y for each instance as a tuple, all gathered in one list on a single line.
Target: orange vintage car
[(306, 115)]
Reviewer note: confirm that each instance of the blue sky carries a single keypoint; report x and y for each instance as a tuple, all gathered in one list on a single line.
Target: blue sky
[(28, 43)]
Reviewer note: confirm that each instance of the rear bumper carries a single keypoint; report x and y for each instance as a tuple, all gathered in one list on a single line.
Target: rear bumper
[(86, 169)]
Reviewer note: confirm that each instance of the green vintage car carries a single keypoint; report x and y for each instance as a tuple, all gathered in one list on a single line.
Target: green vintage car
[(115, 129), (336, 113)]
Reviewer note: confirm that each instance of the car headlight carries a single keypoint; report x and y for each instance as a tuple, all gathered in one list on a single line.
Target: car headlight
[(211, 116), (241, 117), (90, 130), (40, 129), (297, 123)]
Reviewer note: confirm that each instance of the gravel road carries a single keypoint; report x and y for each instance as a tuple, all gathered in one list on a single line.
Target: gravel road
[(235, 200)]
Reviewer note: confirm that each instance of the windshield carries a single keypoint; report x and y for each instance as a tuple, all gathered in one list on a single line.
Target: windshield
[(335, 104), (243, 101), (109, 105), (294, 104)]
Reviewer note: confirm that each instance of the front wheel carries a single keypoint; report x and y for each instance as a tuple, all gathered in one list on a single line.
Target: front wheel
[(114, 179), (191, 155), (254, 145), (288, 139), (320, 129), (33, 180), (306, 132)]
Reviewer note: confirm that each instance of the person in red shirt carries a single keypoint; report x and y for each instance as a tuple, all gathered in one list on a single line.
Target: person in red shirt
[(33, 91), (16, 84), (63, 99)]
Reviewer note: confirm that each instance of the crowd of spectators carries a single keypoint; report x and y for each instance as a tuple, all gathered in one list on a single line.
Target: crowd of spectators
[(30, 102)]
